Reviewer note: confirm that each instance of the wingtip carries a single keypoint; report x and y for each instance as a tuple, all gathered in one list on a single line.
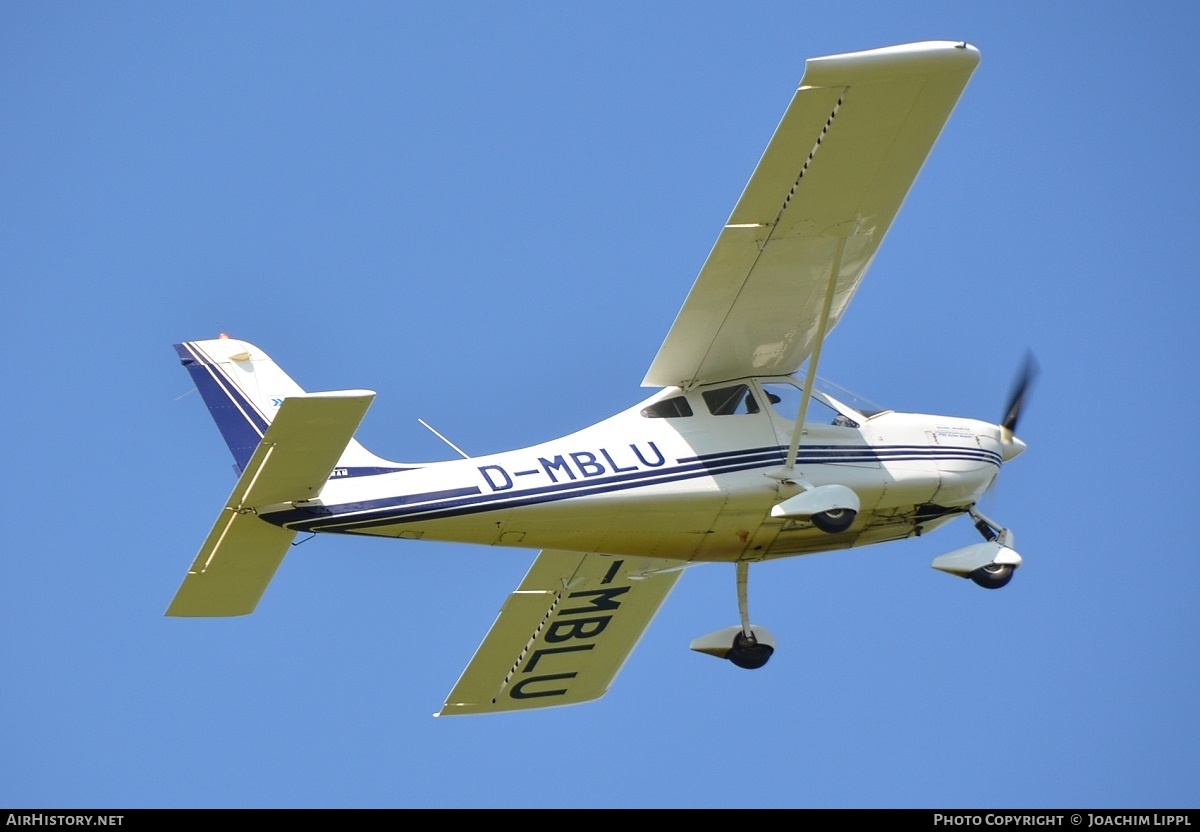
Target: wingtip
[(916, 58)]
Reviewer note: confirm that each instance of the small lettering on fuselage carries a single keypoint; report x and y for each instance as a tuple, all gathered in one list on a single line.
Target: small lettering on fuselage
[(575, 465)]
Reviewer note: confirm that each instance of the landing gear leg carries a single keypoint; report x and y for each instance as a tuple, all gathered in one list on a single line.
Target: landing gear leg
[(992, 575), (990, 529), (747, 652), (743, 593)]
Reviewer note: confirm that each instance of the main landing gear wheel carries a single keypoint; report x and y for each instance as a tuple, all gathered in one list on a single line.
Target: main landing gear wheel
[(747, 645), (834, 521), (992, 576), (748, 653)]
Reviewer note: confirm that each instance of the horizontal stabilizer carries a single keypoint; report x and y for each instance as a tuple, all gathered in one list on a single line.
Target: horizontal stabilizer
[(292, 463), (565, 633)]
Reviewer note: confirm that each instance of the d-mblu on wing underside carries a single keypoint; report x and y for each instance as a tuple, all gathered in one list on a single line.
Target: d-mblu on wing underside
[(821, 199), (563, 635)]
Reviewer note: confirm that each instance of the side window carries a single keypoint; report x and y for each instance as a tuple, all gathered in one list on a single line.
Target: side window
[(668, 408), (730, 401)]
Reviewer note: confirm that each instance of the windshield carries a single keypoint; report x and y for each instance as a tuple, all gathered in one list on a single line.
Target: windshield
[(843, 396)]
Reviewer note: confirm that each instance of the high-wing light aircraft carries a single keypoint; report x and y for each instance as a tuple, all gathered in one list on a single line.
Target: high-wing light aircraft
[(738, 457)]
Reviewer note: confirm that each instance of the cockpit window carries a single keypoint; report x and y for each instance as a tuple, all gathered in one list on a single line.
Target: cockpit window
[(671, 408), (785, 399), (730, 401)]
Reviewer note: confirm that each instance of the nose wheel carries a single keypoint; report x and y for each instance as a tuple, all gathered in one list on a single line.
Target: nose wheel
[(989, 564), (992, 576)]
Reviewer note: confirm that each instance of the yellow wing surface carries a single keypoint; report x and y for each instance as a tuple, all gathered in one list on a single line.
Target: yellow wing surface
[(822, 197), (564, 634), (293, 462)]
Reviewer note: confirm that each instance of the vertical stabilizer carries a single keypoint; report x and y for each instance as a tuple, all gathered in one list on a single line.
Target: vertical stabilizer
[(244, 389)]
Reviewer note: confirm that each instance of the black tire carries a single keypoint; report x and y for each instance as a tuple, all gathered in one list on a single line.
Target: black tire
[(747, 653), (992, 576), (834, 521)]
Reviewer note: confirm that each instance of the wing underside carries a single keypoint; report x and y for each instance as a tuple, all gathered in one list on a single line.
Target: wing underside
[(564, 634), (821, 199)]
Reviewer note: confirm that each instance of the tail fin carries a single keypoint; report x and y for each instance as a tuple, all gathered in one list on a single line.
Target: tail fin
[(244, 389)]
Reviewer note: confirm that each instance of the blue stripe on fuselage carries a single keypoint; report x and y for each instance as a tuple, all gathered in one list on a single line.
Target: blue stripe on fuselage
[(401, 509)]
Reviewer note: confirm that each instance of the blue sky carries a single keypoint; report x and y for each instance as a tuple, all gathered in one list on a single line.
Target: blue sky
[(490, 215)]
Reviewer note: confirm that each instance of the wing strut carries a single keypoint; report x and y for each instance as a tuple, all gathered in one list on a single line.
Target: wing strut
[(785, 473)]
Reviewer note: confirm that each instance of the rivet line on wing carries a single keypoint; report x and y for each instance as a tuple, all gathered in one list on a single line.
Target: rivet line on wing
[(812, 153), (525, 651)]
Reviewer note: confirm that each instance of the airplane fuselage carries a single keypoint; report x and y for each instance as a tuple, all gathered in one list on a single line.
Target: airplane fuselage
[(652, 481)]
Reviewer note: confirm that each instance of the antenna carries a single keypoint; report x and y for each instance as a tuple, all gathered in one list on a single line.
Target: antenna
[(461, 453)]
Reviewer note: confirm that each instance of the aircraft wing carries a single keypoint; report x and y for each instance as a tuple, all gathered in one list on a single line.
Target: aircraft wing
[(826, 190), (564, 634)]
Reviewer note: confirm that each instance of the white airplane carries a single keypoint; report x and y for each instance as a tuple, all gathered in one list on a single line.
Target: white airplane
[(736, 458)]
